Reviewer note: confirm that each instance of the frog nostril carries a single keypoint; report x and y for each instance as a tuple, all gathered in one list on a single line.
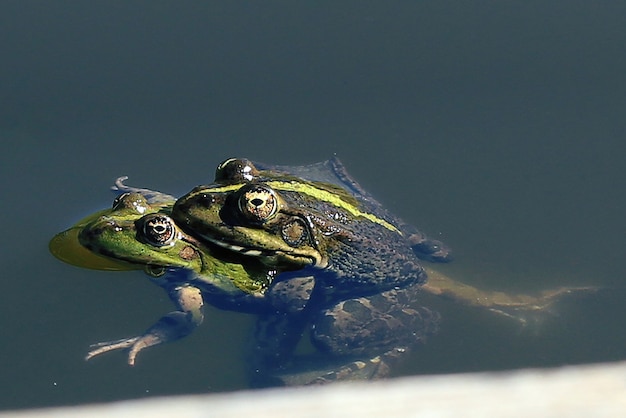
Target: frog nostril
[(113, 226)]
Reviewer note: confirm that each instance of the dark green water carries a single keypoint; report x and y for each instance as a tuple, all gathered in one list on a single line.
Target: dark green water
[(498, 126)]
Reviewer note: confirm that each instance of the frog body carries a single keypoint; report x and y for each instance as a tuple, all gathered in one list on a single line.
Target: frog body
[(342, 231), (359, 264), (359, 272)]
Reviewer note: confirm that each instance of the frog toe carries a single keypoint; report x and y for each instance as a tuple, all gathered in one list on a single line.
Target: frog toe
[(134, 345), (106, 346)]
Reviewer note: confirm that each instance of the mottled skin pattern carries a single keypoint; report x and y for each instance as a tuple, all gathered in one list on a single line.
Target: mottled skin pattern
[(367, 332), (360, 254), (373, 324)]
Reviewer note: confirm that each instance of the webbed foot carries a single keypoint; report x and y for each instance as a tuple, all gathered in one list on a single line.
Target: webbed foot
[(135, 344), (170, 327), (532, 309)]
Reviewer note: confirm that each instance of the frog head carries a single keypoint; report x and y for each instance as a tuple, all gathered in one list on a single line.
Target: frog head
[(269, 214), (136, 234), (139, 233), (287, 220)]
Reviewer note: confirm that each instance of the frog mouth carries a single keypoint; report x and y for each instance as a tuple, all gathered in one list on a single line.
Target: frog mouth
[(253, 252), (312, 259), (66, 247)]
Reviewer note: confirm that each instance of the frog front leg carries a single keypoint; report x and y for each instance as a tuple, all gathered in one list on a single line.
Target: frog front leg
[(175, 325), (278, 330)]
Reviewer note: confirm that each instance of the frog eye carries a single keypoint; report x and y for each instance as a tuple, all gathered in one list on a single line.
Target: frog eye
[(135, 201), (235, 170), (157, 230), (258, 204)]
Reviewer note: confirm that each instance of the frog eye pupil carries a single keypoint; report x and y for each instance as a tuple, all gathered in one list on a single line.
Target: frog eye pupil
[(157, 230), (256, 202)]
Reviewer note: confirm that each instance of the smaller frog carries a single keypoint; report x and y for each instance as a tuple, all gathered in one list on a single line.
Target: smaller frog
[(137, 232)]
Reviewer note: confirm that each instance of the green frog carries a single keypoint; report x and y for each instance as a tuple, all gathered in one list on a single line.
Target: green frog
[(138, 233)]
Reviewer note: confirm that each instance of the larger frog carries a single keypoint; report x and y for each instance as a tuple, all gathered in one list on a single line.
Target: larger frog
[(359, 267)]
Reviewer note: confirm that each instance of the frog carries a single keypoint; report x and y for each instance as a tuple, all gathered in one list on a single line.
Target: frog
[(351, 270), (138, 233)]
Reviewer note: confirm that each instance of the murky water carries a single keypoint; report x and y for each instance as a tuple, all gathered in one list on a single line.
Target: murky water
[(497, 127)]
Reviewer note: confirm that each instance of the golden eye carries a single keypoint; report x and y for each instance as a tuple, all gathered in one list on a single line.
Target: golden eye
[(257, 203), (157, 230)]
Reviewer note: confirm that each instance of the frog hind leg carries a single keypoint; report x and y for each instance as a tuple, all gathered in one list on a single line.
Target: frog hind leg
[(363, 338), (172, 326), (523, 308), (152, 196)]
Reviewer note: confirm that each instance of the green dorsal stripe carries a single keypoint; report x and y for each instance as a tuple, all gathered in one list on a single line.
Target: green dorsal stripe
[(316, 193)]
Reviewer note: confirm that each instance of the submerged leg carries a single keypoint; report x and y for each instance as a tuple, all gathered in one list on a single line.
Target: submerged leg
[(499, 302), (170, 327), (361, 338), (278, 332)]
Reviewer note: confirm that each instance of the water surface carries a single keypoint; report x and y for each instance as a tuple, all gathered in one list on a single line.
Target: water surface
[(497, 127)]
